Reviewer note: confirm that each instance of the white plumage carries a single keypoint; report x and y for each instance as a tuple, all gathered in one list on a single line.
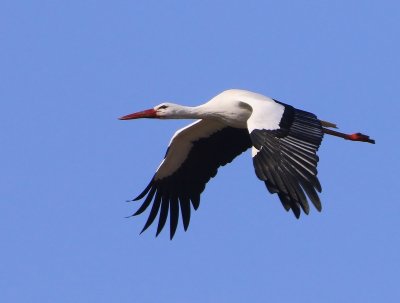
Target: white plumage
[(284, 142)]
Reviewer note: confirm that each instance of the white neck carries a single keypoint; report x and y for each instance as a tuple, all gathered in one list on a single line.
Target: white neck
[(235, 117)]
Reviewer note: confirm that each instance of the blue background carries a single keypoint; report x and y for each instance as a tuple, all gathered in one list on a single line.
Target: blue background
[(68, 69)]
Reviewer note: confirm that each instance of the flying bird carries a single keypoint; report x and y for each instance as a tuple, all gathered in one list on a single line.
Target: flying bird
[(284, 141)]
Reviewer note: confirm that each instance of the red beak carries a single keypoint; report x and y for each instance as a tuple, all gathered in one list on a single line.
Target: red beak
[(148, 113)]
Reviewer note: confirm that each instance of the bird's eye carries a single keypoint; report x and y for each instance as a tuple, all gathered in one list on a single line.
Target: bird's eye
[(163, 107)]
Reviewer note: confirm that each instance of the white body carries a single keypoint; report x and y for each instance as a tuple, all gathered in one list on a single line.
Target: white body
[(236, 108)]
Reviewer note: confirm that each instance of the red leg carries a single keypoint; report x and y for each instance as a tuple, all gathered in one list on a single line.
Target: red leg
[(353, 137)]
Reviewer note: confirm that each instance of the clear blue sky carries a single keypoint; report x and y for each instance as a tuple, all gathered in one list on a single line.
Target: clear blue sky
[(68, 69)]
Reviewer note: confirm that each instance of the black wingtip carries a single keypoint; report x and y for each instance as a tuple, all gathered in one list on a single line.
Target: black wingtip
[(145, 191), (163, 215), (138, 197), (172, 233), (295, 209), (296, 213), (138, 212), (195, 201)]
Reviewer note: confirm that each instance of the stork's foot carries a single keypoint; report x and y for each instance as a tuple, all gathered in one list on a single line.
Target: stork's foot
[(353, 137), (360, 137)]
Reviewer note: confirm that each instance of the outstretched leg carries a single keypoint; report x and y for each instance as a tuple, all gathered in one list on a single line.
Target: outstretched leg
[(352, 137)]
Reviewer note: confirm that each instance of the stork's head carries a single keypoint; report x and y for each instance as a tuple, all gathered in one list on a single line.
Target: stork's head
[(163, 110)]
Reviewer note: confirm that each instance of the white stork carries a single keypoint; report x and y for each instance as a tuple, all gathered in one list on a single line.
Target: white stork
[(284, 142)]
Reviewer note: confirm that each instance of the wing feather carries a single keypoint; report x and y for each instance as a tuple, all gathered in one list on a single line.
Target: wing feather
[(286, 159), (193, 157)]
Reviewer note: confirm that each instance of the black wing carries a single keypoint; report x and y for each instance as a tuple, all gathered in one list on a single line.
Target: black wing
[(193, 157), (286, 159)]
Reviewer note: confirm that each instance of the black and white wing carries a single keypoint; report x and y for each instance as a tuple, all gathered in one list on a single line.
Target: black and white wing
[(193, 157), (285, 158)]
